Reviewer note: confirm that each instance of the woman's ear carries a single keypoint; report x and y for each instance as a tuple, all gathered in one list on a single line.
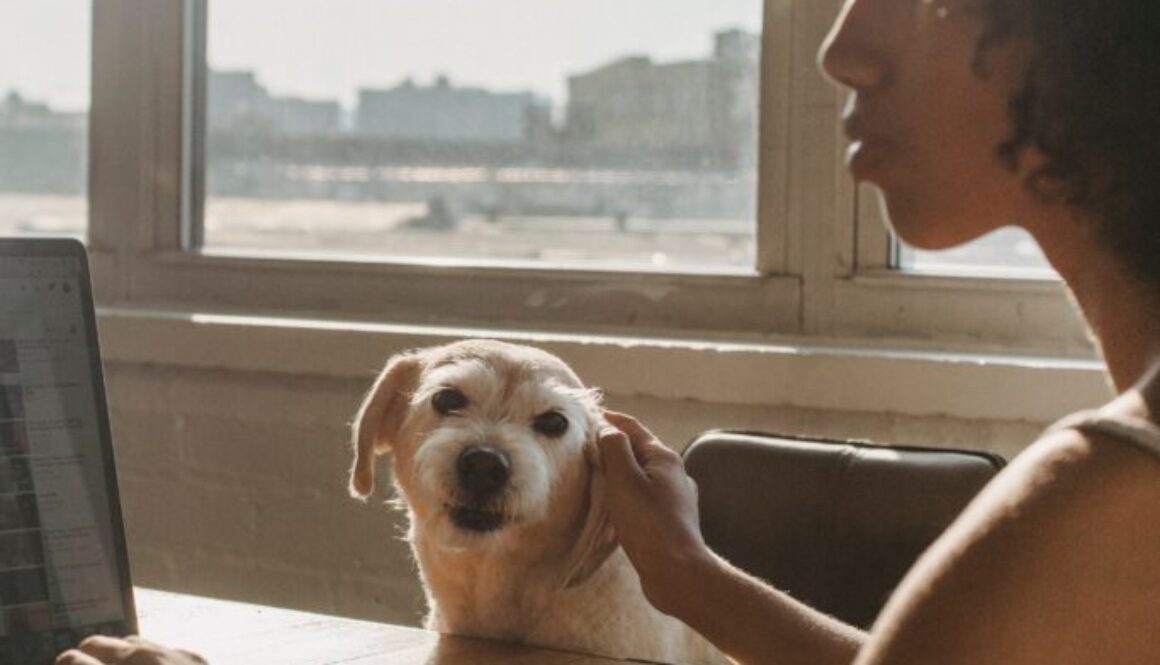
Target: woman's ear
[(379, 419)]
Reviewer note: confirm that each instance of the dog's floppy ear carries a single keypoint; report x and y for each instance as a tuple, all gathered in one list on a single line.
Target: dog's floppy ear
[(379, 418), (597, 539)]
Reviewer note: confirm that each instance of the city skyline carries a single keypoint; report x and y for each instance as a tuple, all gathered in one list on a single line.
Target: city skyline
[(526, 44), (440, 79), (44, 45)]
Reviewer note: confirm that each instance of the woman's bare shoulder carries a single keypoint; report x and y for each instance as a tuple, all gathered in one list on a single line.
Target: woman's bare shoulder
[(1056, 561)]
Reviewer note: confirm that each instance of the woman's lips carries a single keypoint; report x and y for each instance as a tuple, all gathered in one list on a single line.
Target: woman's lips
[(866, 150), (857, 128)]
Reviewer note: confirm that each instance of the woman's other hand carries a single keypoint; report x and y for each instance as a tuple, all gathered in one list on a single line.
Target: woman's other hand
[(653, 506), (101, 650)]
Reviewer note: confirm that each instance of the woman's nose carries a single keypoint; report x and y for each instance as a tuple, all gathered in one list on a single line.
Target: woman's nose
[(851, 54)]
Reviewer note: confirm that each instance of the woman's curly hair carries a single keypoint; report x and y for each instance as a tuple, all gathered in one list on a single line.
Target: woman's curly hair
[(1091, 105)]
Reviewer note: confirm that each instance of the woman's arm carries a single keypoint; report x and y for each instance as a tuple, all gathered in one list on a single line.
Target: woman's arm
[(755, 623), (653, 506), (1055, 562)]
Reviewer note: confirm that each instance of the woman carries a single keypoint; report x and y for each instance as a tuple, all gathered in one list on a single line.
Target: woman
[(970, 115)]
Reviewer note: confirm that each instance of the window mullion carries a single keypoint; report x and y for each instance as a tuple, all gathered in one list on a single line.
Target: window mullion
[(195, 72), (773, 233), (873, 237), (135, 137), (821, 193)]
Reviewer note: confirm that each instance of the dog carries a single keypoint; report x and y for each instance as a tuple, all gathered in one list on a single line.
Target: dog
[(494, 459)]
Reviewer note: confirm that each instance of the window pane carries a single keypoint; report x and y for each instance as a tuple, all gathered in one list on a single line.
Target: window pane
[(44, 103), (1008, 252), (555, 131)]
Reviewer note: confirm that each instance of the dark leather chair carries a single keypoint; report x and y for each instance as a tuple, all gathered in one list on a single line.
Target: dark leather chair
[(835, 524)]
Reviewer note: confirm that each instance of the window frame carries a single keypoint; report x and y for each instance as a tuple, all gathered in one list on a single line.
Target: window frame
[(821, 270)]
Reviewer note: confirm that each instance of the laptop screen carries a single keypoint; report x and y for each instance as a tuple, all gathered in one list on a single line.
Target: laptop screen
[(63, 572)]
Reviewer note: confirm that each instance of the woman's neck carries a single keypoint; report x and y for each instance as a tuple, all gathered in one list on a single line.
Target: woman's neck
[(1124, 314), (1127, 325)]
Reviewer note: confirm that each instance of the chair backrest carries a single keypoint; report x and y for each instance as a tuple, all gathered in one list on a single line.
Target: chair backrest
[(835, 524)]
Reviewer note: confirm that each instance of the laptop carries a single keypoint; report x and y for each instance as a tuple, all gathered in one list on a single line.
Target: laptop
[(64, 571)]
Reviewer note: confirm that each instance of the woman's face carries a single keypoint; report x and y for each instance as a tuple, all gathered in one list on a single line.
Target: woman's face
[(924, 127)]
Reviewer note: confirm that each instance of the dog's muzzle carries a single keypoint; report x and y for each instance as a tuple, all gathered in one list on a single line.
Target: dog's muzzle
[(482, 473)]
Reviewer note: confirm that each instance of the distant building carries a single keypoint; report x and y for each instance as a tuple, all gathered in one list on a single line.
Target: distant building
[(16, 112), (237, 101), (293, 115), (736, 45), (707, 106), (443, 112), (42, 150), (234, 98)]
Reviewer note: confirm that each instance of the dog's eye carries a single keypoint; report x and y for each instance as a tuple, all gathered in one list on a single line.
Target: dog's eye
[(550, 423), (448, 401)]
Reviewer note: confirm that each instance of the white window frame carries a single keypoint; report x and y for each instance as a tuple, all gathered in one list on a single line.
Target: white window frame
[(821, 271)]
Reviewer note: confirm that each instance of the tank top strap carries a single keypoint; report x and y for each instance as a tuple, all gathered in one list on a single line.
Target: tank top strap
[(1142, 433)]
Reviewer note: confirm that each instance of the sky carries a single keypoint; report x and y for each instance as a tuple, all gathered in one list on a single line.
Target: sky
[(44, 51), (327, 49)]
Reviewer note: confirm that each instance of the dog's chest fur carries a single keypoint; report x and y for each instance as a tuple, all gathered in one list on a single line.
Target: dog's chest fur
[(606, 615)]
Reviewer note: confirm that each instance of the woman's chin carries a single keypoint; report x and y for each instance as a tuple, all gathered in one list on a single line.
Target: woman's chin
[(926, 228)]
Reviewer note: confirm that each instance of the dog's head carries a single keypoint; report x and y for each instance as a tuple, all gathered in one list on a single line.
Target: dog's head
[(493, 446)]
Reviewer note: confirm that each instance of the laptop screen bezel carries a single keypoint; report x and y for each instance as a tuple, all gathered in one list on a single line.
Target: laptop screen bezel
[(73, 249)]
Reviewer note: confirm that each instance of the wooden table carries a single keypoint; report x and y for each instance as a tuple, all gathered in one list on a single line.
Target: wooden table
[(232, 633)]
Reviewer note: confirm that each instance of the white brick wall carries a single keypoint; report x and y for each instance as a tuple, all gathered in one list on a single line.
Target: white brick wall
[(233, 478)]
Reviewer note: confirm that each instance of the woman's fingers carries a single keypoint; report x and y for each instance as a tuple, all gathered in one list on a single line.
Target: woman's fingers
[(630, 438), (76, 657), (108, 649), (616, 452), (646, 447), (101, 650), (637, 433)]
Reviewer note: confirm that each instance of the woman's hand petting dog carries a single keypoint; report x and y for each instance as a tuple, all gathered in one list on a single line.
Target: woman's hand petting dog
[(101, 650), (652, 503)]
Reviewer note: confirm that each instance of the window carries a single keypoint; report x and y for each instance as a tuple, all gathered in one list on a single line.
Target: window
[(565, 133), (289, 136), (44, 102)]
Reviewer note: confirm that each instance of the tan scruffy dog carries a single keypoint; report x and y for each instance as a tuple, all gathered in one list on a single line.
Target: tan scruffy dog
[(494, 456)]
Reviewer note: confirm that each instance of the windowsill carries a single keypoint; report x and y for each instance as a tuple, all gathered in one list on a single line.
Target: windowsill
[(769, 373)]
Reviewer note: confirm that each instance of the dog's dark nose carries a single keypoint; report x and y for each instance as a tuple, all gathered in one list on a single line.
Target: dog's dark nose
[(483, 470)]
